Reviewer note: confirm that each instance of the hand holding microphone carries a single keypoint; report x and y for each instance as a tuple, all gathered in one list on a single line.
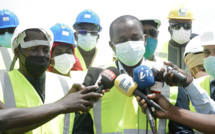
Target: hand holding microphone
[(174, 76), (108, 77)]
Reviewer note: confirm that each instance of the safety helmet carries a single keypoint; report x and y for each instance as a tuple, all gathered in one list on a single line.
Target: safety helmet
[(19, 36), (158, 22), (88, 16), (8, 19), (62, 33), (180, 12), (194, 46), (208, 37)]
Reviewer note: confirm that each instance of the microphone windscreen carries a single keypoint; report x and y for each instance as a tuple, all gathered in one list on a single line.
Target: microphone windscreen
[(143, 76), (92, 76), (108, 76), (125, 84)]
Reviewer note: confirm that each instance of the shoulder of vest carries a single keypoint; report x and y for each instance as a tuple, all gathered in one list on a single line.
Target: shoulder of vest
[(202, 78)]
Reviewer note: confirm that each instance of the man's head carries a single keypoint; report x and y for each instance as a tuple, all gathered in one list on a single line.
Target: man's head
[(194, 57), (32, 47), (87, 27), (127, 40), (8, 23), (62, 51), (180, 24), (150, 29), (208, 42)]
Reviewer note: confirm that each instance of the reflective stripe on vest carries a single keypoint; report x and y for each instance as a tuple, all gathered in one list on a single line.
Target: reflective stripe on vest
[(9, 98), (66, 125), (123, 104), (6, 58), (7, 88)]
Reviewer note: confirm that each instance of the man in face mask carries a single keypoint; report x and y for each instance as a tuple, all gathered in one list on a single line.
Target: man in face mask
[(117, 112), (8, 23), (63, 58), (180, 29), (31, 85), (150, 29), (87, 27)]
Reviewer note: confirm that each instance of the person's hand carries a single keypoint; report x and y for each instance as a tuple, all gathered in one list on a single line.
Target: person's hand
[(168, 78), (76, 87), (160, 100), (78, 101)]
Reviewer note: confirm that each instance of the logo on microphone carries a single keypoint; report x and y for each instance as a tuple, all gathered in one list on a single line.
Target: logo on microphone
[(125, 84), (142, 73), (109, 74)]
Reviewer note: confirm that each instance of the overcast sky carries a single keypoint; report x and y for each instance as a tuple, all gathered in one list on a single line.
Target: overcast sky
[(49, 12)]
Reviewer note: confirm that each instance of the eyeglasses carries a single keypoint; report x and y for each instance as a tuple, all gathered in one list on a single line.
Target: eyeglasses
[(177, 26), (151, 32), (84, 32), (9, 30)]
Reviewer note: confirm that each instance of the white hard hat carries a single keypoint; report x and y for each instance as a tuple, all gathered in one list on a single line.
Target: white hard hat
[(194, 46), (19, 35), (157, 21), (208, 37)]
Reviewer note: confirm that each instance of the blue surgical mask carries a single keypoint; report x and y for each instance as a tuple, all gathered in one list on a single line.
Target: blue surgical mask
[(5, 40), (151, 45), (209, 65)]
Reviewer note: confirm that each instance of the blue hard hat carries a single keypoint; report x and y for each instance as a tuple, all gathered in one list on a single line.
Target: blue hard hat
[(8, 19), (88, 16), (62, 33)]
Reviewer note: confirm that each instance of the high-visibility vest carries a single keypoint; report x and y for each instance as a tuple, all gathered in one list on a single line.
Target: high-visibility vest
[(17, 91), (116, 113), (162, 53), (6, 57), (96, 61), (205, 84)]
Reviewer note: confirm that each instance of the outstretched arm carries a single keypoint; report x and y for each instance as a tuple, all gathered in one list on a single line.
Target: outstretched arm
[(201, 122), (21, 120)]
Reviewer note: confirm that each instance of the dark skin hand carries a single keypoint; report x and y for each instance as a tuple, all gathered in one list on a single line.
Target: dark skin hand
[(21, 120), (168, 78), (201, 122)]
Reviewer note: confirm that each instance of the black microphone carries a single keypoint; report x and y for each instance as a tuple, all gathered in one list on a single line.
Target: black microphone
[(108, 77), (178, 77)]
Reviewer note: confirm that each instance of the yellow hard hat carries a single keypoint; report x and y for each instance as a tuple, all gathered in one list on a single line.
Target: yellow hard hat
[(180, 12)]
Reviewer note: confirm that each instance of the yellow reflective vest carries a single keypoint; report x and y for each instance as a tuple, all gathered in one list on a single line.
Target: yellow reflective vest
[(17, 91), (116, 113), (97, 61), (6, 57)]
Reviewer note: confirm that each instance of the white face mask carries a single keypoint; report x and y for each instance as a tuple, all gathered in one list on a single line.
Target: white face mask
[(181, 36), (64, 62), (130, 52), (87, 42), (209, 65)]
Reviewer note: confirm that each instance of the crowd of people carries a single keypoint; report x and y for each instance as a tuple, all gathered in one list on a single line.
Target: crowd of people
[(43, 74)]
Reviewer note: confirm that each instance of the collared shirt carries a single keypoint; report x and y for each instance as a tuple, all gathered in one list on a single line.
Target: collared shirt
[(121, 68), (200, 98)]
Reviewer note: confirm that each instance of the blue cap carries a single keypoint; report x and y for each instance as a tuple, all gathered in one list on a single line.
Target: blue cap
[(62, 33), (143, 76), (88, 16), (8, 19)]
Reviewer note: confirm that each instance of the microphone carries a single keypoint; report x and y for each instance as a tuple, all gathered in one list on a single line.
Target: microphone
[(178, 77), (108, 77), (128, 87), (144, 78)]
